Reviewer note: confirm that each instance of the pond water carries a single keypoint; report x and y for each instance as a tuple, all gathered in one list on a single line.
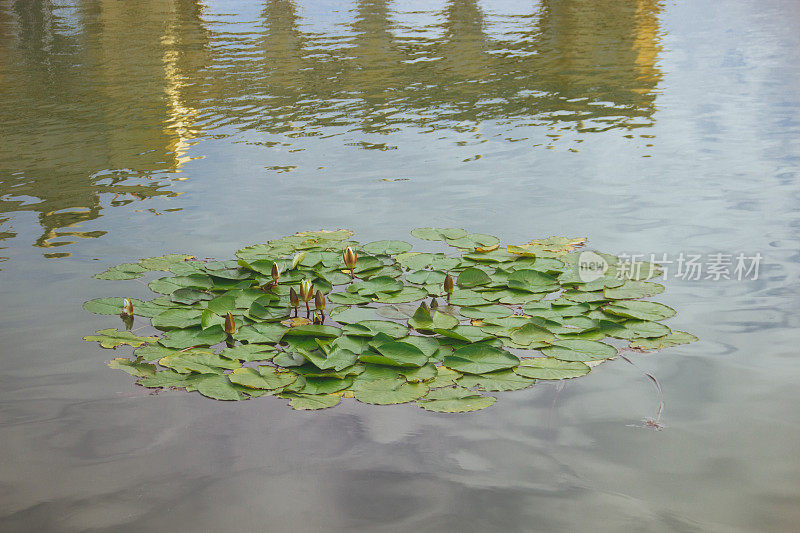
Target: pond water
[(132, 129)]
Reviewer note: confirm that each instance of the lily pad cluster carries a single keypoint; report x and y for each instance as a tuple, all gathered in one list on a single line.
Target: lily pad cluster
[(316, 317)]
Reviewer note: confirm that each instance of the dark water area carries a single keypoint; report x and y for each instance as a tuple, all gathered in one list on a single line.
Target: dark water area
[(133, 129)]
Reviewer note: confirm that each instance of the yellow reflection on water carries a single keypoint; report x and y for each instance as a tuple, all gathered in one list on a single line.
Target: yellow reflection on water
[(102, 102)]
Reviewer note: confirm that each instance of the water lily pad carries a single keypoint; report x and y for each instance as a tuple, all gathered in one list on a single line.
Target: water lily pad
[(487, 311), (675, 338), (134, 368), (260, 333), (407, 294), (455, 400), (472, 277), (438, 234), (177, 318), (111, 338), (185, 338), (373, 327), (531, 333), (123, 271), (378, 393), (633, 290), (198, 360), (163, 262), (348, 298), (387, 247), (500, 380), (641, 310), (424, 320), (579, 350), (218, 387), (249, 352), (396, 354), (445, 377), (301, 402), (426, 277), (479, 359), (475, 240), (549, 368)]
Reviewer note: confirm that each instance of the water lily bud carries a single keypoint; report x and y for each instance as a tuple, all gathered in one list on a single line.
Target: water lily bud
[(424, 305), (319, 301), (306, 290), (230, 324), (276, 272), (449, 285), (127, 307), (434, 303), (294, 300), (350, 257)]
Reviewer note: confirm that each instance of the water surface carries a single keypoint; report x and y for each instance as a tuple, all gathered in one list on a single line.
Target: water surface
[(132, 129)]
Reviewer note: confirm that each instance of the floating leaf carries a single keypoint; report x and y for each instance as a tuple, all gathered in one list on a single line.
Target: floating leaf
[(531, 333), (549, 368), (123, 271), (111, 338), (579, 350), (177, 318), (445, 377), (134, 368), (472, 277), (249, 352), (675, 338), (185, 338), (633, 290), (399, 392), (218, 387), (479, 359), (438, 234), (387, 247), (501, 380), (396, 354), (455, 400), (641, 310), (164, 262), (260, 333), (301, 402), (407, 294)]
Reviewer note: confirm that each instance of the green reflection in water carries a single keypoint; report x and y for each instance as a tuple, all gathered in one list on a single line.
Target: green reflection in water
[(102, 100)]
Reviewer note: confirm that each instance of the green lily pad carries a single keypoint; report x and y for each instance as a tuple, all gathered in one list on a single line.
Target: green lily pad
[(438, 234), (249, 352), (479, 359), (218, 387), (303, 402), (396, 353), (378, 393), (177, 318), (472, 277), (579, 350), (185, 338), (123, 271), (633, 290), (549, 368), (500, 380), (455, 400), (675, 338), (111, 338), (134, 368), (387, 247), (641, 310)]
